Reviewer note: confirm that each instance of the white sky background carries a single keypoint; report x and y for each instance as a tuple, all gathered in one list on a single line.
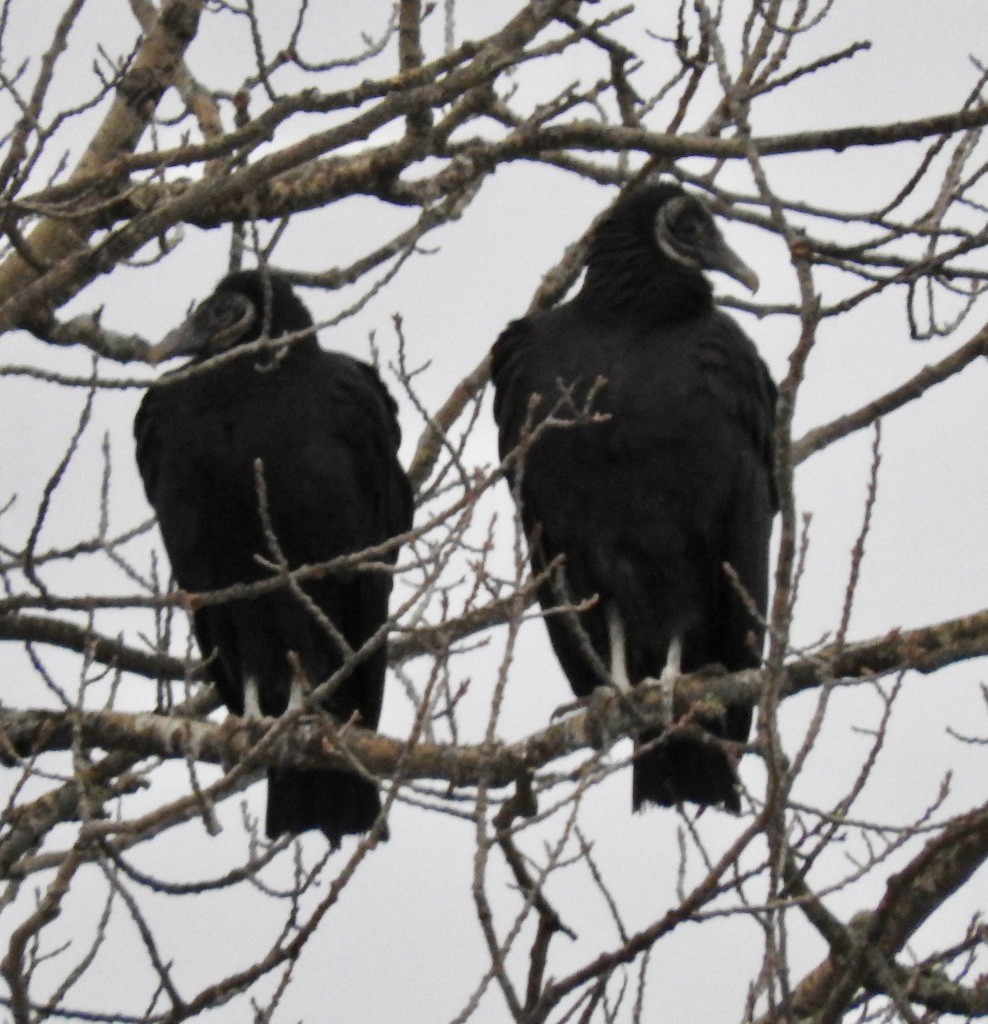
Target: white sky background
[(404, 943)]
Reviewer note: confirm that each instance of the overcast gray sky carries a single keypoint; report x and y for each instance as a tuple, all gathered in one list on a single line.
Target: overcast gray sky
[(404, 943)]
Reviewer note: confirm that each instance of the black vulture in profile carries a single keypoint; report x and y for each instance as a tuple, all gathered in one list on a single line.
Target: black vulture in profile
[(324, 428), (648, 500)]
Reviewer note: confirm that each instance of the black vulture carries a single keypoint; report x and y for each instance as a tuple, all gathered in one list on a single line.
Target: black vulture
[(647, 500), (324, 428)]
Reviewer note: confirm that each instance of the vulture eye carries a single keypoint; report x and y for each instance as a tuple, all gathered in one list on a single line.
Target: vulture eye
[(683, 229), (222, 310), (687, 227), (223, 319), (688, 222), (686, 233)]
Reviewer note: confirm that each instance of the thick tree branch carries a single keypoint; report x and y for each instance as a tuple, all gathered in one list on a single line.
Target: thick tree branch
[(614, 716), (924, 650), (138, 93), (96, 784), (24, 300), (294, 179), (911, 896), (102, 649)]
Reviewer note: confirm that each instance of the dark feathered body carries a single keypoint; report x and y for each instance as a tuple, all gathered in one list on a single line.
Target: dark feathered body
[(649, 504), (324, 428)]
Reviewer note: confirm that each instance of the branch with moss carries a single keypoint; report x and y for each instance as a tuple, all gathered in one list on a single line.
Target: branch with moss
[(140, 89), (312, 743)]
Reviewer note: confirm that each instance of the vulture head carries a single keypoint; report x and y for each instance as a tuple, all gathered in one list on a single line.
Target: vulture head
[(244, 306), (685, 232), (649, 256)]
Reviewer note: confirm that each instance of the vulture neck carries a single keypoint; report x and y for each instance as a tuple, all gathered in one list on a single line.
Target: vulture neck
[(298, 351), (630, 280)]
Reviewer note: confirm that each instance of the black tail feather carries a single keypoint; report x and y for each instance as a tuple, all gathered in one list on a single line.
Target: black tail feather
[(680, 768), (337, 803)]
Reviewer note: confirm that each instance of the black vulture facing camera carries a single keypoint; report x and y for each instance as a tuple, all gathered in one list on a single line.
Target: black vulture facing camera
[(325, 431), (667, 480)]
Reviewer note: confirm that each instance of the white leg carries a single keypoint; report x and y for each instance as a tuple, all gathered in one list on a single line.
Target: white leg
[(252, 701), (615, 637), (296, 695), (674, 660), (670, 673)]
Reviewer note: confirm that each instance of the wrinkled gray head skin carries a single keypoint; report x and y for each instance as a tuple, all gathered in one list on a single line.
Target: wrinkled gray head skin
[(244, 305), (685, 231), (218, 323)]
